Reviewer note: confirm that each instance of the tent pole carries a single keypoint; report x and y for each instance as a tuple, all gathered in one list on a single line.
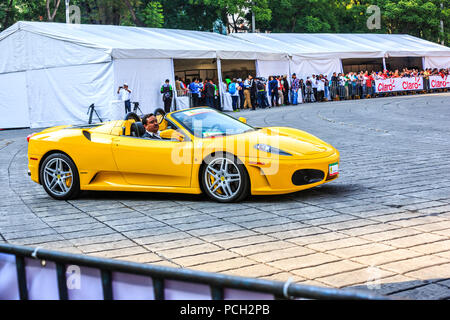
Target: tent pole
[(219, 80), (174, 87), (384, 63)]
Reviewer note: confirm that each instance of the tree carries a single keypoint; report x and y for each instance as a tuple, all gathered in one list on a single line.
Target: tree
[(233, 12)]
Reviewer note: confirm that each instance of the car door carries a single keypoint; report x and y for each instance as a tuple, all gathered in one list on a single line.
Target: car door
[(151, 162)]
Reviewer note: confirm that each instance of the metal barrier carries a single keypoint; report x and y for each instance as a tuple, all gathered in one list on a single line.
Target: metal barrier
[(37, 270)]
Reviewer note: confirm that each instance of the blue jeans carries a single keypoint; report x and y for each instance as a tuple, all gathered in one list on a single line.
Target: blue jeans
[(127, 106), (210, 101), (234, 102), (294, 97), (262, 98)]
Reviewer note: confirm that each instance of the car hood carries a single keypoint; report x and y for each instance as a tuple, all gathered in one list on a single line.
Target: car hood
[(300, 144)]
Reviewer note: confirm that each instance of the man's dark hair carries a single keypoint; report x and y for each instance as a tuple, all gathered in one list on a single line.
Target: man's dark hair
[(167, 80), (145, 118)]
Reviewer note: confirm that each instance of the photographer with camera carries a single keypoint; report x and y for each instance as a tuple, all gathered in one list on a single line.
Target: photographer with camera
[(125, 95)]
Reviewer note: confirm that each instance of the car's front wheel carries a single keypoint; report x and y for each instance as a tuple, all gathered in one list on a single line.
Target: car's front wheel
[(59, 177), (224, 178)]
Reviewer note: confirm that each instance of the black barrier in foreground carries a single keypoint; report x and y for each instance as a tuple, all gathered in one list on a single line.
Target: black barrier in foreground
[(34, 273)]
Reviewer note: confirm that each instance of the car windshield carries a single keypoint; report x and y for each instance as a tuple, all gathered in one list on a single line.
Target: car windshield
[(206, 122)]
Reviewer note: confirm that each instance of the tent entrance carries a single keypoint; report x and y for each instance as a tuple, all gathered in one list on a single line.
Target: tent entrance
[(238, 68), (357, 65), (399, 63), (188, 69)]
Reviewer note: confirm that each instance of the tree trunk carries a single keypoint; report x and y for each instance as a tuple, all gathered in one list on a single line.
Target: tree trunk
[(136, 20)]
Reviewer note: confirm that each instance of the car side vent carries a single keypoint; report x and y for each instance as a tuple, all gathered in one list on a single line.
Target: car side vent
[(307, 176), (87, 134)]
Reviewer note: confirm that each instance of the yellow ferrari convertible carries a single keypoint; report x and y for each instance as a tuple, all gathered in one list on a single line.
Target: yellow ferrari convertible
[(200, 150)]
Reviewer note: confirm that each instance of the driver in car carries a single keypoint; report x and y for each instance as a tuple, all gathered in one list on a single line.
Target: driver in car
[(151, 126)]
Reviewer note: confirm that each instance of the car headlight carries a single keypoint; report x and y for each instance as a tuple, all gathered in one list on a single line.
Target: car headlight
[(270, 149)]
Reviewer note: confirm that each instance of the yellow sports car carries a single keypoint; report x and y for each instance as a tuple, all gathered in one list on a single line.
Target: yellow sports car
[(201, 150)]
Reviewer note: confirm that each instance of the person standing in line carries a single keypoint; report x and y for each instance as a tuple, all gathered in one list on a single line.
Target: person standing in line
[(194, 90), (286, 90), (241, 93), (125, 95), (234, 92), (295, 85), (260, 95), (253, 92), (320, 88), (167, 95), (247, 94), (314, 83), (280, 91), (273, 91), (201, 95), (209, 93)]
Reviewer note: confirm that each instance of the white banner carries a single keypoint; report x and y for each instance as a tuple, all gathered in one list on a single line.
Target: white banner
[(399, 84), (437, 82)]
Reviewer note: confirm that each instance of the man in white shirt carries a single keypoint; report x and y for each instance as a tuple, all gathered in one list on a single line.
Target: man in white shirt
[(320, 88), (151, 126), (125, 94), (314, 84)]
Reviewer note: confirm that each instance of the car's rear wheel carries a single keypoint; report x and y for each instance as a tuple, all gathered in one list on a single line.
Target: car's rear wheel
[(59, 177), (224, 178)]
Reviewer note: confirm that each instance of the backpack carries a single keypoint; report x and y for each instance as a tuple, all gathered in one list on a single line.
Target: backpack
[(166, 90), (259, 85), (232, 88)]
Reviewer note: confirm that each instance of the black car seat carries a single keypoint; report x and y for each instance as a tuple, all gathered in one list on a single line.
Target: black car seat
[(137, 129)]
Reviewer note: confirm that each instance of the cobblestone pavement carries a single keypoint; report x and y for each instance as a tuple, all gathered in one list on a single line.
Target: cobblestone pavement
[(384, 225)]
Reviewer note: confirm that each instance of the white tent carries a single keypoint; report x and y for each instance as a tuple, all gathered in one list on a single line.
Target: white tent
[(322, 53), (50, 73)]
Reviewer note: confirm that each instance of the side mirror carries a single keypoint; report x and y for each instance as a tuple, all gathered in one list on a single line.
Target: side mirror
[(242, 119), (172, 135)]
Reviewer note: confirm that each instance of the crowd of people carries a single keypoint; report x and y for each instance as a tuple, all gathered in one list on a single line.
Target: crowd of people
[(277, 90)]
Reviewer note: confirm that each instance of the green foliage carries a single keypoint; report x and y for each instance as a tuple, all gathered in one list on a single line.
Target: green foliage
[(415, 17), (152, 15)]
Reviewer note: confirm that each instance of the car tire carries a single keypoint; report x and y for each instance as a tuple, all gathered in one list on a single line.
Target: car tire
[(58, 175), (224, 178)]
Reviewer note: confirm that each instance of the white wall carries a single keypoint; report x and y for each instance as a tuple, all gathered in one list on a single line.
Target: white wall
[(437, 62), (13, 101), (144, 78), (306, 67), (272, 68), (59, 96)]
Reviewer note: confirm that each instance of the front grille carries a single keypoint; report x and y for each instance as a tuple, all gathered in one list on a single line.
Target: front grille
[(307, 176)]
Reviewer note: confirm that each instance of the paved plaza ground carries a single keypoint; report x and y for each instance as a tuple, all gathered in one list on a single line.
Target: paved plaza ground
[(383, 225)]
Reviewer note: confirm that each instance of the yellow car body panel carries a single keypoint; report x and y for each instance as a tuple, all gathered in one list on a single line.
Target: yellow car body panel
[(108, 158)]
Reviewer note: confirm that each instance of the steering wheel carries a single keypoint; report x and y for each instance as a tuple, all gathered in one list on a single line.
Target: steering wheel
[(132, 115)]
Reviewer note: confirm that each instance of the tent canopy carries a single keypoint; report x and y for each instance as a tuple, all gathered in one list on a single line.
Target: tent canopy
[(122, 42), (334, 45)]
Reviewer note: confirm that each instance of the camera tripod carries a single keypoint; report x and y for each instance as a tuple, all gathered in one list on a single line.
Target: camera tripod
[(136, 107), (91, 111)]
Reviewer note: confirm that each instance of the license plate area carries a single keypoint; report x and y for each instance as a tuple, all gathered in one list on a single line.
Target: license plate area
[(333, 169)]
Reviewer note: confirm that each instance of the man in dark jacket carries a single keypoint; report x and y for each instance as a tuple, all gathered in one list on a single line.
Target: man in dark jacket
[(286, 90), (167, 92), (209, 93)]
